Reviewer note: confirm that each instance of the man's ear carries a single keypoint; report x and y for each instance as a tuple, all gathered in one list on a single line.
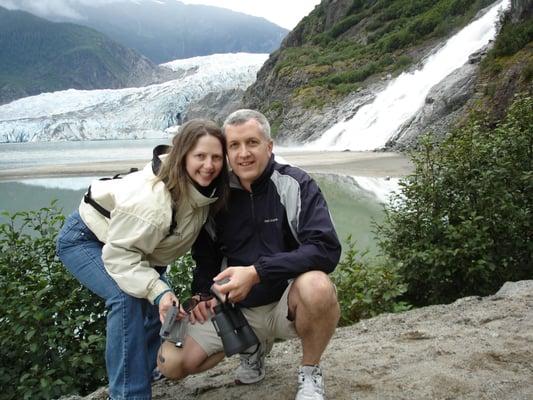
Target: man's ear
[(270, 145)]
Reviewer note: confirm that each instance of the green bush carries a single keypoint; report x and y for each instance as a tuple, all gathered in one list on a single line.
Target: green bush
[(352, 76), (366, 289), (180, 276), (403, 62), (52, 330), (397, 40), (512, 38), (342, 26), (463, 223)]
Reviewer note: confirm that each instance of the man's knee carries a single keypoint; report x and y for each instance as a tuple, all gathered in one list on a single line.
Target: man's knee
[(314, 288), (176, 363)]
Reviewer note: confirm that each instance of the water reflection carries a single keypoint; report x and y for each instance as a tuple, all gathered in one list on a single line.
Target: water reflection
[(355, 202)]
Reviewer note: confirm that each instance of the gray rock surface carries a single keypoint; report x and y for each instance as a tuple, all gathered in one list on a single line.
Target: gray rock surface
[(445, 104), (475, 348), (215, 105), (521, 9), (302, 125)]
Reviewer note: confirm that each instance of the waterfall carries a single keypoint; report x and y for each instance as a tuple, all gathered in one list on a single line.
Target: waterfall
[(376, 122)]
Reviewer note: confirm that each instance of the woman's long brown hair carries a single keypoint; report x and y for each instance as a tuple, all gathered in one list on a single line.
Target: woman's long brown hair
[(173, 170)]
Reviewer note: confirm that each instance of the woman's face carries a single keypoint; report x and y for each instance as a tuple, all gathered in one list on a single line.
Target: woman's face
[(204, 161)]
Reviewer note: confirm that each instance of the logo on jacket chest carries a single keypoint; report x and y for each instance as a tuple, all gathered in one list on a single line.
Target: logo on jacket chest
[(270, 220)]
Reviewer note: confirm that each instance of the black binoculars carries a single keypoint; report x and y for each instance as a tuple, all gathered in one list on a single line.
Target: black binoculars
[(232, 327)]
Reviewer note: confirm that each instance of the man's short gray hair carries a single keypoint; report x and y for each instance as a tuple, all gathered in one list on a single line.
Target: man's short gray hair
[(242, 116)]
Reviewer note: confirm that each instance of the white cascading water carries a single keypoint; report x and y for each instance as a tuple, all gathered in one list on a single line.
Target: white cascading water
[(375, 123)]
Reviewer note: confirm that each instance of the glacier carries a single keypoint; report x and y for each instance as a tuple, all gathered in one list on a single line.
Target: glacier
[(131, 113)]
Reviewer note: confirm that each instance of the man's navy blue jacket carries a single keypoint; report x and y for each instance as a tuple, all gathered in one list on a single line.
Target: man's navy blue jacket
[(283, 228)]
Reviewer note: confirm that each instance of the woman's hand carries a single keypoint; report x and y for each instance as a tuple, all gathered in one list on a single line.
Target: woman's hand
[(168, 300)]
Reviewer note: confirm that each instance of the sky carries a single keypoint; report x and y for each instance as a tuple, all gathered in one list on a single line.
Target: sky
[(285, 13)]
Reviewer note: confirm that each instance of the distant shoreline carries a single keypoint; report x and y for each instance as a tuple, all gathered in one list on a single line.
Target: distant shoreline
[(370, 164)]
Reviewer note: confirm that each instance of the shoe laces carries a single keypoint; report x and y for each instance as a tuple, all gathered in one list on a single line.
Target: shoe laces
[(252, 360), (310, 379)]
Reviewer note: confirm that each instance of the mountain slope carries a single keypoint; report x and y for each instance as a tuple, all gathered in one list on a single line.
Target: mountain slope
[(40, 56), (343, 52), (487, 84), (166, 30)]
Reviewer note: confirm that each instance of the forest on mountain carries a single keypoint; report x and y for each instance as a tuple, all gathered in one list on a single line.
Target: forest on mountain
[(118, 44), (42, 56)]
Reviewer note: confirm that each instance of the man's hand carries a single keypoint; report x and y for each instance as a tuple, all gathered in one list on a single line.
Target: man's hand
[(241, 280), (200, 313)]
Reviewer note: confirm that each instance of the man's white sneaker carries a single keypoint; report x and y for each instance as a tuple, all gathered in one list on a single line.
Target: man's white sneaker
[(252, 366), (310, 383)]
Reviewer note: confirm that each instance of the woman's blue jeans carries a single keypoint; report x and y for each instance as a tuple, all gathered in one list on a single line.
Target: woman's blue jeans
[(132, 323)]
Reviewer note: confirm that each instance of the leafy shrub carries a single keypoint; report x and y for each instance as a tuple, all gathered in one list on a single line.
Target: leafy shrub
[(462, 225), (527, 73), (425, 24), (366, 289), (52, 330), (180, 275), (512, 37), (342, 26), (352, 76), (403, 62), (397, 40)]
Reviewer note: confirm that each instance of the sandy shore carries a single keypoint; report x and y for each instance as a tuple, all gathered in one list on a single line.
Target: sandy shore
[(346, 163)]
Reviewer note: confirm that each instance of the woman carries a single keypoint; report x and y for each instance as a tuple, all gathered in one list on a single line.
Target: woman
[(127, 230)]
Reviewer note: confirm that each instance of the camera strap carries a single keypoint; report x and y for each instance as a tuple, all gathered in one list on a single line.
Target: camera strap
[(156, 165)]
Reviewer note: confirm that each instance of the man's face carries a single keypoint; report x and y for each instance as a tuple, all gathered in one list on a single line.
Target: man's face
[(248, 151)]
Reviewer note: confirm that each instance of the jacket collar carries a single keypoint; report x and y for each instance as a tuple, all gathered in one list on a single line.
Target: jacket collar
[(156, 160), (197, 199)]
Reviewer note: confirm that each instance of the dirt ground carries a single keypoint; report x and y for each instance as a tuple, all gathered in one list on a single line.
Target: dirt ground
[(374, 164), (473, 349)]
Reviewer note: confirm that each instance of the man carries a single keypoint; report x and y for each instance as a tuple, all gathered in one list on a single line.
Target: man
[(277, 243)]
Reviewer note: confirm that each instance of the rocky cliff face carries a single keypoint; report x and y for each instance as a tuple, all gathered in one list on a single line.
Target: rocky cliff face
[(215, 105), (475, 348), (521, 9), (444, 106), (283, 92), (471, 87)]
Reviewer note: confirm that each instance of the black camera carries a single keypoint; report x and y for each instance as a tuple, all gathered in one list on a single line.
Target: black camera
[(232, 327)]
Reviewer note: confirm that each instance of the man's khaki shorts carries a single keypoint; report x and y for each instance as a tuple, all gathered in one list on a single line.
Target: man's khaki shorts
[(268, 322)]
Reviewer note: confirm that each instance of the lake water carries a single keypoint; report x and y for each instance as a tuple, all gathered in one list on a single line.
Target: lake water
[(18, 155), (352, 208)]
